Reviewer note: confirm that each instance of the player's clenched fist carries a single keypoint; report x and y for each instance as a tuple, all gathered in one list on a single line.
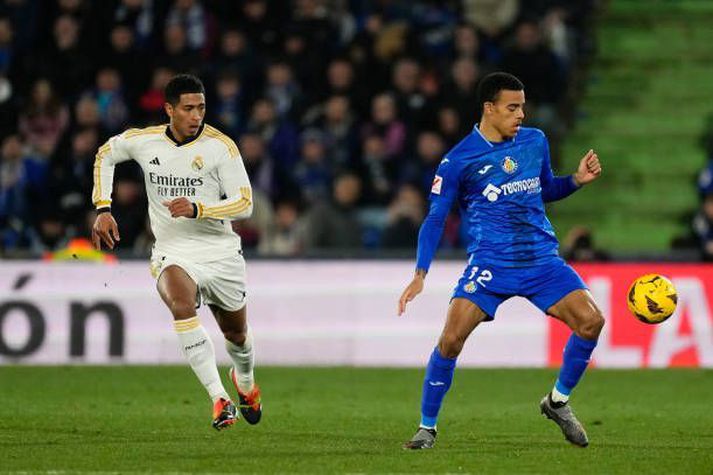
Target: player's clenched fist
[(105, 230), (180, 207), (589, 169)]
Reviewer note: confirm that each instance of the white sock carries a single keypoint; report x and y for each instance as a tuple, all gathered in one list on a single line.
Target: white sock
[(558, 396), (198, 349), (243, 358)]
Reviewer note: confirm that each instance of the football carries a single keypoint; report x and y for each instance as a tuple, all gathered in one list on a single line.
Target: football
[(652, 298)]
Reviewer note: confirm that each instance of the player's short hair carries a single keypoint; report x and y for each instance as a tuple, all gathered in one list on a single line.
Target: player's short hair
[(491, 85), (182, 84)]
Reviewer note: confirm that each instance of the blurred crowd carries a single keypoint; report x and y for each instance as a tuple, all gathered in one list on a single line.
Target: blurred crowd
[(703, 218), (342, 109)]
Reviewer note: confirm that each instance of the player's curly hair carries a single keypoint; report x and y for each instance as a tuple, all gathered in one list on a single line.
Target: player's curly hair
[(182, 84), (491, 85)]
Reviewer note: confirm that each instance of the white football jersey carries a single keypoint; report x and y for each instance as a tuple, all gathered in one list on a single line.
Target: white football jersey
[(208, 170)]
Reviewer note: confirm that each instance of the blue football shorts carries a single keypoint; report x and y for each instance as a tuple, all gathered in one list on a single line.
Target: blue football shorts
[(544, 284)]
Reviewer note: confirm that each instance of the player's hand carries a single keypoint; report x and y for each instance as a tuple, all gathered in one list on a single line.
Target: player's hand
[(180, 207), (105, 230), (589, 169), (411, 291)]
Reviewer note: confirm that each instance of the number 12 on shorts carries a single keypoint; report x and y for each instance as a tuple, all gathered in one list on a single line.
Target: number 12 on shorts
[(477, 277)]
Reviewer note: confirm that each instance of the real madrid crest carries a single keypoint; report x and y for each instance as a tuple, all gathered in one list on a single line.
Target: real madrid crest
[(197, 163), (509, 165)]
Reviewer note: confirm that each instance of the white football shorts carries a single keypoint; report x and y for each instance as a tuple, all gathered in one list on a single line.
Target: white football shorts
[(220, 283)]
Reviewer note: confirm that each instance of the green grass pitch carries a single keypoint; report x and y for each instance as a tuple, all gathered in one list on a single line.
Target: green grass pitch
[(317, 420)]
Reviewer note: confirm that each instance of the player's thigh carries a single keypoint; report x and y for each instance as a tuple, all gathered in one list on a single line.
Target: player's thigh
[(178, 291), (463, 316), (579, 312), (224, 284)]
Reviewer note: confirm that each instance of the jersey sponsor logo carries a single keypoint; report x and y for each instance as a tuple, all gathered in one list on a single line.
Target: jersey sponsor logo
[(175, 186), (485, 169), (509, 165), (529, 185), (197, 163), (436, 187), (491, 192), (155, 161)]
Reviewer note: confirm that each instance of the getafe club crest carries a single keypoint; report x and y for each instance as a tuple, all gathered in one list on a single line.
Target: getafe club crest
[(509, 165), (470, 287), (197, 163)]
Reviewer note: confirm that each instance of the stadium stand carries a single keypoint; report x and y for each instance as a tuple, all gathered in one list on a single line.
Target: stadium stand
[(647, 102)]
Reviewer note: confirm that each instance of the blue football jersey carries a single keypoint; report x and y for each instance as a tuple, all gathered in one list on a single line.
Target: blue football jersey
[(501, 189)]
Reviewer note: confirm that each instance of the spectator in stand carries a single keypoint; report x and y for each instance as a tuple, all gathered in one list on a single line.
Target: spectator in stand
[(313, 173), (227, 108), (235, 54), (386, 124), (493, 18), (140, 16), (404, 217), (461, 94), (535, 65), (176, 53), (703, 227), (378, 171), (70, 182), (334, 224), (124, 56), (280, 135), (22, 192), (66, 63), (108, 92), (152, 100), (197, 22), (430, 149), (44, 118), (412, 102), (578, 246), (282, 89), (450, 126), (285, 236)]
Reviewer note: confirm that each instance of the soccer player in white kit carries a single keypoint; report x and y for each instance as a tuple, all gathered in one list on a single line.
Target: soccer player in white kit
[(196, 184)]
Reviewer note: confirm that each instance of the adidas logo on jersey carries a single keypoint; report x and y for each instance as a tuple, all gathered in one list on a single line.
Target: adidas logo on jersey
[(155, 161)]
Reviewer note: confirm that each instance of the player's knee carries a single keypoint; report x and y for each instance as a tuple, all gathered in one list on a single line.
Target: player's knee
[(237, 337), (450, 345), (591, 325)]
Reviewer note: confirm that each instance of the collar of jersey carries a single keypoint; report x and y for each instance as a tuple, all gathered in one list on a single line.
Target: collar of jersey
[(169, 134)]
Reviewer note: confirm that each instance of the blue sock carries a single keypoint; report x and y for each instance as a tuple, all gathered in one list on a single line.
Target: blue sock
[(577, 353), (439, 375)]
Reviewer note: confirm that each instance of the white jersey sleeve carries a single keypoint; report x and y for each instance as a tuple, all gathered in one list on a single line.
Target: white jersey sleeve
[(234, 185), (116, 150)]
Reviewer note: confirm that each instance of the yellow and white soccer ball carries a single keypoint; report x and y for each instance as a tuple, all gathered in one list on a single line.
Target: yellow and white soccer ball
[(652, 298)]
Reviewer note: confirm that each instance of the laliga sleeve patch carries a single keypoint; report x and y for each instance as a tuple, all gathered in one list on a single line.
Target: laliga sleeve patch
[(436, 187)]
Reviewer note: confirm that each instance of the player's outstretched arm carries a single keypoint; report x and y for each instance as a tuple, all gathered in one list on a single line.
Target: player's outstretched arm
[(589, 169), (105, 230), (412, 290)]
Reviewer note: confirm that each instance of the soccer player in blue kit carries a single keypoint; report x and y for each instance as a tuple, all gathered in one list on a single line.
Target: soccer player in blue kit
[(501, 176)]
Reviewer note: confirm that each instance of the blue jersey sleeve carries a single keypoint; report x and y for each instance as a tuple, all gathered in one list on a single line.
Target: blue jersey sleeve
[(443, 193), (554, 187)]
